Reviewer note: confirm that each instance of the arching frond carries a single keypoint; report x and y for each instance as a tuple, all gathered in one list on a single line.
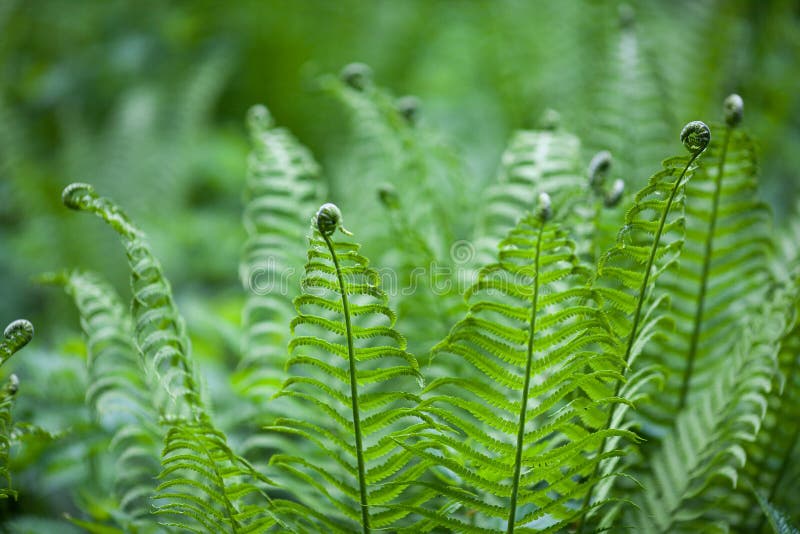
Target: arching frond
[(205, 485), (119, 394), (625, 278), (720, 280)]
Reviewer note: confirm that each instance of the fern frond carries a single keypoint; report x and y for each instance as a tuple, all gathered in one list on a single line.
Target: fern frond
[(648, 243), (519, 425), (720, 279), (701, 457), (777, 519), (352, 367), (16, 335), (205, 485), (119, 392), (282, 187), (159, 330), (535, 162), (771, 468)]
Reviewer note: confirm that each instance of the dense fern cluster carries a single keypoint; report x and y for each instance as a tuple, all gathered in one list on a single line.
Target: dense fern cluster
[(618, 360)]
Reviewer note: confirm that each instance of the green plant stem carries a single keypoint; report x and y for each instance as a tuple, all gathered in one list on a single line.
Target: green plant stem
[(632, 337), (362, 477), (709, 248), (523, 407)]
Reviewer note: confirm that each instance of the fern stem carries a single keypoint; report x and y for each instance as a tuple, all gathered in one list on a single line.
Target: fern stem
[(709, 248), (523, 407), (362, 477), (636, 318)]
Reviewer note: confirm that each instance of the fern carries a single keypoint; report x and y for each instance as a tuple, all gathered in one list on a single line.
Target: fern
[(536, 161), (356, 371), (282, 184), (624, 281), (683, 491), (770, 465), (721, 277), (15, 336), (204, 484), (777, 519), (119, 394), (523, 408)]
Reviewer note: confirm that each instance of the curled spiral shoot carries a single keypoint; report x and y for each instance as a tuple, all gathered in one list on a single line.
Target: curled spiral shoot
[(357, 75), (259, 118), (545, 209), (598, 170), (329, 219), (16, 335), (734, 110), (408, 108), (695, 136), (614, 195)]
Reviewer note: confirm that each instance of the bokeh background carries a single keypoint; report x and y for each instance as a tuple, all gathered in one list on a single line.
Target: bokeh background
[(147, 101)]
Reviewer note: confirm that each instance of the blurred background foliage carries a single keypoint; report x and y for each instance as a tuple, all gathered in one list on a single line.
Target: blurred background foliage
[(147, 100)]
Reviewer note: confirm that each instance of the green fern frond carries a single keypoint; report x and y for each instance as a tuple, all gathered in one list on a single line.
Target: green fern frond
[(16, 335), (771, 468), (523, 412), (777, 519), (119, 393), (535, 162), (282, 187), (699, 460), (350, 365), (625, 279), (159, 330), (720, 279), (204, 484), (206, 487)]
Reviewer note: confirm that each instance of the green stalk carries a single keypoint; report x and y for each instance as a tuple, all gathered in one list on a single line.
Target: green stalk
[(698, 316), (362, 477), (523, 407), (636, 318)]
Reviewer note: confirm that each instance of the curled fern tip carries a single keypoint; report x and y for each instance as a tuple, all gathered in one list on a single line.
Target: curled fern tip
[(329, 219), (75, 195), (695, 136), (13, 384), (259, 117), (599, 168), (615, 194), (357, 75), (408, 108), (20, 332), (734, 110), (545, 211)]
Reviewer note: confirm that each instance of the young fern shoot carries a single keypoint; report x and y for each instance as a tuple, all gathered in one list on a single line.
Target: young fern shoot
[(364, 383), (519, 400), (16, 335), (626, 273)]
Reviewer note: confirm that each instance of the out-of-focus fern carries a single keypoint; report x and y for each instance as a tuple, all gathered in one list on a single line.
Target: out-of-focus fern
[(536, 161), (721, 277), (119, 394), (625, 279), (777, 519), (282, 188), (353, 367), (690, 475), (16, 335), (204, 485), (770, 464), (524, 402)]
